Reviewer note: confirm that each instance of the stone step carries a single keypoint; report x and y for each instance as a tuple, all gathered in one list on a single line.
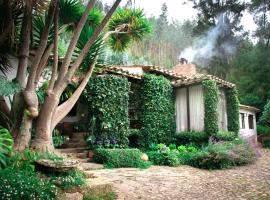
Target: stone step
[(72, 150), (90, 166)]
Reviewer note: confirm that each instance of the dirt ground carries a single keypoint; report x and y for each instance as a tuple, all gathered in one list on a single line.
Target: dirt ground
[(185, 183)]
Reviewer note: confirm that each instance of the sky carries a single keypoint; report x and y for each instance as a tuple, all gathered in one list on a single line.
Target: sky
[(179, 10)]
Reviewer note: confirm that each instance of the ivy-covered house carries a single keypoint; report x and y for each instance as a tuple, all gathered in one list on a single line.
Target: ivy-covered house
[(202, 102)]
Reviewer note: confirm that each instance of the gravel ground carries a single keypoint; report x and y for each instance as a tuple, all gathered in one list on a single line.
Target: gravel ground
[(184, 182)]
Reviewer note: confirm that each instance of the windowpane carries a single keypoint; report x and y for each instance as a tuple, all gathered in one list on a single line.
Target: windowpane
[(250, 122)]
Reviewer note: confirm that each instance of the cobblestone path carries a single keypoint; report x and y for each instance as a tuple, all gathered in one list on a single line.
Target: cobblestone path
[(186, 183)]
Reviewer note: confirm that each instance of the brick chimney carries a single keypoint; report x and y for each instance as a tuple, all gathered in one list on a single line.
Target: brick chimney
[(185, 68)]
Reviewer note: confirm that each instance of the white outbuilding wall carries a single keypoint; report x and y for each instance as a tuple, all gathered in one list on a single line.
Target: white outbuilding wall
[(247, 119)]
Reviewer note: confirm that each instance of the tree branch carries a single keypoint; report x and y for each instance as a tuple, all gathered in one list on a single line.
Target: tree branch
[(62, 110), (7, 21), (40, 51), (89, 43), (55, 51), (74, 40)]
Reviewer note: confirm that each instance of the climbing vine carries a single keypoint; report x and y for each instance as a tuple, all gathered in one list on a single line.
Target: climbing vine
[(107, 97), (210, 107), (156, 112), (233, 109)]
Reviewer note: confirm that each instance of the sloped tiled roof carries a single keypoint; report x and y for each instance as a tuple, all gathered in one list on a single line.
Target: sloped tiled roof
[(197, 78), (177, 80)]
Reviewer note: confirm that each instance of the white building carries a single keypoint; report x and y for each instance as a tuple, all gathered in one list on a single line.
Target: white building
[(247, 119)]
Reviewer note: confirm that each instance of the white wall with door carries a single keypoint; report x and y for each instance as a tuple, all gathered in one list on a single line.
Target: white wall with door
[(247, 119)]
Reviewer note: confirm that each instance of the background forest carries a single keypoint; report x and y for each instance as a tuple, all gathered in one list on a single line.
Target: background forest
[(235, 55)]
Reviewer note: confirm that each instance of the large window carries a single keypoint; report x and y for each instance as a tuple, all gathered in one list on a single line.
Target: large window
[(251, 121), (242, 120)]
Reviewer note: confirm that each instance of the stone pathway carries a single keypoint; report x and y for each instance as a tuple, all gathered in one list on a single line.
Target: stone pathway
[(184, 182)]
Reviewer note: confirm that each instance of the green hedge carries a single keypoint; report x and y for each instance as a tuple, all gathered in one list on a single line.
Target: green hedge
[(233, 110), (156, 113), (114, 158), (210, 107), (265, 118), (107, 97), (194, 137)]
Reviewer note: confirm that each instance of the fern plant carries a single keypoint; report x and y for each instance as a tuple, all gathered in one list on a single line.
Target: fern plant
[(6, 143)]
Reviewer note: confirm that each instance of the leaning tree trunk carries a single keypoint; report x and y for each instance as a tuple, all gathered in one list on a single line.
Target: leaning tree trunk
[(43, 138)]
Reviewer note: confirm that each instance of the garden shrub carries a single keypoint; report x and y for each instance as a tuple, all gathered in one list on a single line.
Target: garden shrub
[(262, 129), (6, 144), (266, 144), (210, 107), (156, 112), (107, 97), (226, 136), (233, 110), (115, 158), (134, 135), (22, 184), (223, 155), (195, 137), (169, 158), (265, 118), (66, 180)]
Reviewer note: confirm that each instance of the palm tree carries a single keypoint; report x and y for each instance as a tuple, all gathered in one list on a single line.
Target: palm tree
[(40, 35)]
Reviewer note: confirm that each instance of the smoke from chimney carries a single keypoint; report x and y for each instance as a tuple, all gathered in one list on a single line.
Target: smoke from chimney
[(205, 47)]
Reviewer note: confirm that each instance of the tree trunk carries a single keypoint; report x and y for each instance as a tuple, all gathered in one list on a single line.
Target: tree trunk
[(43, 138), (23, 138), (18, 104)]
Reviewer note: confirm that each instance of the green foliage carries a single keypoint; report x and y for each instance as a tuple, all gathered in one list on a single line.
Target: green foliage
[(133, 137), (24, 184), (6, 143), (163, 155), (115, 158), (107, 98), (156, 112), (210, 107), (233, 110), (68, 179), (135, 25), (266, 144), (8, 88), (58, 138), (195, 137), (263, 130), (223, 155), (226, 136), (169, 158), (93, 196), (265, 118)]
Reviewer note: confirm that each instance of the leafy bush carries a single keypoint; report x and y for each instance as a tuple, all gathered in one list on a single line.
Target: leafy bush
[(24, 184), (134, 135), (262, 129), (163, 155), (233, 110), (156, 112), (226, 136), (266, 144), (114, 158), (223, 155), (6, 143), (195, 137), (265, 118), (68, 179), (169, 158), (58, 138), (210, 107), (107, 98)]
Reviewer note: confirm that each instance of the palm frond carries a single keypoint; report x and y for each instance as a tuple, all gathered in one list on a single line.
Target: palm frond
[(132, 26), (8, 88), (4, 63), (96, 49), (6, 143)]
